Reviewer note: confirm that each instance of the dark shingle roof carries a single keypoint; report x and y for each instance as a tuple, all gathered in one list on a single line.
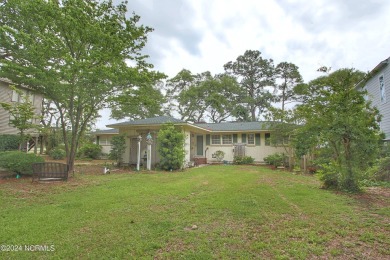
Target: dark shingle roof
[(150, 121), (235, 126), (108, 131)]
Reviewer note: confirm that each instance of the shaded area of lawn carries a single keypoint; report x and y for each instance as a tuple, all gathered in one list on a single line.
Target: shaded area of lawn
[(208, 212)]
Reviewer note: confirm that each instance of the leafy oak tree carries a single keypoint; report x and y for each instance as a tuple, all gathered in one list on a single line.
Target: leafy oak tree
[(139, 101), (186, 95), (222, 93), (254, 73), (197, 97), (75, 52), (339, 119)]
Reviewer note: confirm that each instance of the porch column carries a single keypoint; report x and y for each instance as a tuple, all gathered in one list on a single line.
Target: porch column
[(149, 141), (139, 139)]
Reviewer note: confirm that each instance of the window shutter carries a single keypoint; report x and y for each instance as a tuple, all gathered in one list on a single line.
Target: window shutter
[(257, 139), (234, 138), (97, 139), (207, 139), (243, 137)]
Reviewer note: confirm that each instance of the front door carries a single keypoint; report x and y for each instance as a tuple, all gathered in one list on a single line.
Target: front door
[(199, 145)]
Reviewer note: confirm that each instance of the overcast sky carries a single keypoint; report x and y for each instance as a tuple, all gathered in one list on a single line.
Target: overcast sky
[(203, 35)]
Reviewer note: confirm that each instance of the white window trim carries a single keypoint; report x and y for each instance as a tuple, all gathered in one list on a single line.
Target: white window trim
[(231, 139), (212, 140), (247, 139)]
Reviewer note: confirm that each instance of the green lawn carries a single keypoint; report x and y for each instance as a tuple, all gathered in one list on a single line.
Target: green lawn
[(240, 212)]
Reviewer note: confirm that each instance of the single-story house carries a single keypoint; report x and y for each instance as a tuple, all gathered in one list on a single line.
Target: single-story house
[(202, 140)]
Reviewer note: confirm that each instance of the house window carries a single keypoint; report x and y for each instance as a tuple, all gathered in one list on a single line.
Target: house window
[(15, 96), (215, 139), (382, 89), (105, 141), (251, 139), (267, 139), (227, 139), (18, 98)]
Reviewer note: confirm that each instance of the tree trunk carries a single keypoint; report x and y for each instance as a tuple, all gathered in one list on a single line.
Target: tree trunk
[(350, 182)]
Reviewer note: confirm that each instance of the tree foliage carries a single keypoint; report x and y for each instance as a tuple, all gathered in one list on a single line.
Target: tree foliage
[(118, 148), (289, 78), (254, 74), (338, 118), (75, 52), (139, 101), (171, 147), (197, 97)]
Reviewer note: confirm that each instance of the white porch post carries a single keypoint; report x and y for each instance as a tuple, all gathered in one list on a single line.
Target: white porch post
[(139, 139), (149, 142)]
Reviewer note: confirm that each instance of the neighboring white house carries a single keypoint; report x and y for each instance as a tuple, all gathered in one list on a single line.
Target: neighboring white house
[(201, 140), (377, 85)]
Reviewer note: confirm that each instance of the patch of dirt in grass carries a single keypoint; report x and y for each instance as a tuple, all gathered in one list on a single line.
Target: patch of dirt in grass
[(374, 197)]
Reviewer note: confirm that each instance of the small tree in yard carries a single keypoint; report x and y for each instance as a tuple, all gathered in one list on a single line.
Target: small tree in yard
[(118, 148), (338, 118), (171, 147), (22, 115)]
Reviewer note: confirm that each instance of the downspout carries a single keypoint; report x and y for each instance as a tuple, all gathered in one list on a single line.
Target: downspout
[(205, 152)]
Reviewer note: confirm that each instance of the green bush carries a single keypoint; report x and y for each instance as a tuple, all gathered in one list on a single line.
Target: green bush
[(118, 148), (171, 147), (275, 159), (19, 162), (330, 176), (243, 160), (9, 142), (57, 153), (379, 171), (90, 150)]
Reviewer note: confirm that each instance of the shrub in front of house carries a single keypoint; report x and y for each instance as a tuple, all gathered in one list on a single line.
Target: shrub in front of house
[(171, 147), (90, 150), (19, 162), (9, 142), (243, 160), (118, 148), (275, 159), (219, 155), (57, 153)]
